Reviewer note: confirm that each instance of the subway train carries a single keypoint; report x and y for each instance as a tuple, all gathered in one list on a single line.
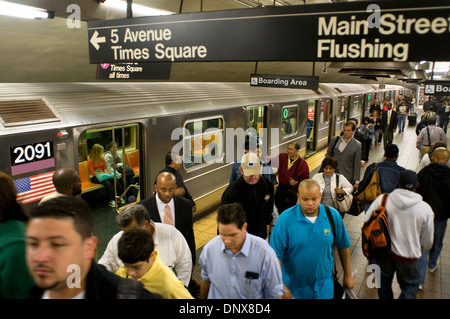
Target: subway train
[(45, 126)]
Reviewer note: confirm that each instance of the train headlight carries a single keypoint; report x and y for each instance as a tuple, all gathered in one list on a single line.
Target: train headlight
[(63, 134)]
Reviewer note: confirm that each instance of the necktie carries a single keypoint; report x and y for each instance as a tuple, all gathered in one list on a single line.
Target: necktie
[(389, 117), (168, 216)]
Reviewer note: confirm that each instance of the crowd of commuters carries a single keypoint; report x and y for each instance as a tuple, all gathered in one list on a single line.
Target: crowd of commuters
[(278, 228)]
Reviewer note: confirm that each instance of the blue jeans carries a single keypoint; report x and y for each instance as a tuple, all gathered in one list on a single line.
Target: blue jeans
[(401, 122), (407, 277), (430, 257)]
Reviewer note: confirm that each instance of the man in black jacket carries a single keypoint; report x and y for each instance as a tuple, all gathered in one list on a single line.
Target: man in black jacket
[(60, 252), (434, 186), (173, 164), (180, 208), (388, 124), (255, 193)]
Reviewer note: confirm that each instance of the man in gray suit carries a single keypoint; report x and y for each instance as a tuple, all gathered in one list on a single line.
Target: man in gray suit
[(347, 151)]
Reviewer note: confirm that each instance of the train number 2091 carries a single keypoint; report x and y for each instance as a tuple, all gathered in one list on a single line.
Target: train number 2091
[(23, 154)]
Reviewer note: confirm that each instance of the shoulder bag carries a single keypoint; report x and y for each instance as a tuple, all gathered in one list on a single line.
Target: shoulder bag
[(344, 201), (425, 149), (373, 190)]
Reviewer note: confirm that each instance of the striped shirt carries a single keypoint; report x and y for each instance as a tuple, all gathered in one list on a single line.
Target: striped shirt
[(436, 134)]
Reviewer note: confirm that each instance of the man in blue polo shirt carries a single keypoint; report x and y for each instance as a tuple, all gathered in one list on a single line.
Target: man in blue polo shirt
[(303, 241)]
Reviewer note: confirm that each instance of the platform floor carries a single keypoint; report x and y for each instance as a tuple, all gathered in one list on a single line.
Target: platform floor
[(437, 284)]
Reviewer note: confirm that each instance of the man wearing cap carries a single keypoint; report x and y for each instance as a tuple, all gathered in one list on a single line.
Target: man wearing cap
[(411, 229), (255, 193), (434, 186)]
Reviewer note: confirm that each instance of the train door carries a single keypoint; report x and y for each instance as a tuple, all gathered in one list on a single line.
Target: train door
[(311, 128), (368, 98), (322, 125), (332, 119), (109, 162)]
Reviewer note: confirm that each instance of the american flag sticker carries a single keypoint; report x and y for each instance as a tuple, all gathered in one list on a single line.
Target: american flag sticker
[(34, 187)]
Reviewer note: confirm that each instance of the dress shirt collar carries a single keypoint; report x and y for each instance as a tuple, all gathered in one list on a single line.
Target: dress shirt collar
[(245, 249), (161, 205)]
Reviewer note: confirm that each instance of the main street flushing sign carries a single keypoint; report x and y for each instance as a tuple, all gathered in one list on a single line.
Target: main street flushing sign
[(349, 31)]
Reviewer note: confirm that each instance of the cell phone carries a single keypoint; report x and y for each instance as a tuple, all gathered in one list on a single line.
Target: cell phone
[(251, 275)]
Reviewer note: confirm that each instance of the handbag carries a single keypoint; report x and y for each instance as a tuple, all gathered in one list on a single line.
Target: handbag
[(127, 170), (104, 176), (344, 201), (373, 190), (356, 207)]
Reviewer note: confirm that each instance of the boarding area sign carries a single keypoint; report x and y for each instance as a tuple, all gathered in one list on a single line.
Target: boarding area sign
[(437, 88), (285, 81), (344, 31)]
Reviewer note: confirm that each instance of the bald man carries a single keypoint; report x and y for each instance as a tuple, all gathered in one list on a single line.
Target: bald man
[(303, 240), (66, 182), (167, 208), (434, 186)]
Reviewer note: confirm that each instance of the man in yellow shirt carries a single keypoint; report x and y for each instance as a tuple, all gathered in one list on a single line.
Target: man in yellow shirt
[(142, 262)]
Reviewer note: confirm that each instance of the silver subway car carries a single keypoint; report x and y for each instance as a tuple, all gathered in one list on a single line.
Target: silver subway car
[(45, 126)]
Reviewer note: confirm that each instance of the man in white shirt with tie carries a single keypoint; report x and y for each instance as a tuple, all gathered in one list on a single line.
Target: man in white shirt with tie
[(180, 214), (165, 204)]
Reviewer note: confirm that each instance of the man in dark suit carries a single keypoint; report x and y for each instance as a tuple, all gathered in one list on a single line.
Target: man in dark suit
[(173, 164), (164, 207), (347, 151), (388, 124)]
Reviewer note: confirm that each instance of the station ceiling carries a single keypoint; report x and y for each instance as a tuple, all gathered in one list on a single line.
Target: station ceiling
[(48, 51)]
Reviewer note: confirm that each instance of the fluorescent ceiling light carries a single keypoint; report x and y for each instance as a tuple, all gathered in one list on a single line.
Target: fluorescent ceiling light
[(440, 67), (138, 9), (22, 11)]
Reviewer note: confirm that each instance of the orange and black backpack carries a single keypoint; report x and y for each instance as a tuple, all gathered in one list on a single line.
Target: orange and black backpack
[(376, 239)]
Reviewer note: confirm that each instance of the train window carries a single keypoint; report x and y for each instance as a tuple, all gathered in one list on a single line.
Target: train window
[(289, 125), (323, 108), (356, 104), (256, 118), (341, 105), (103, 137), (204, 144)]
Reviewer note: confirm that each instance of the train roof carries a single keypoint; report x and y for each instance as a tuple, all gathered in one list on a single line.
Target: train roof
[(28, 107)]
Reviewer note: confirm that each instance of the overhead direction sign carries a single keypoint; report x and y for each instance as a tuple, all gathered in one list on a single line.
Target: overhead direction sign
[(347, 31)]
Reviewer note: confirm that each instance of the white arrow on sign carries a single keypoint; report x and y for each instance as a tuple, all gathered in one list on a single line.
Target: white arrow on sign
[(95, 40)]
